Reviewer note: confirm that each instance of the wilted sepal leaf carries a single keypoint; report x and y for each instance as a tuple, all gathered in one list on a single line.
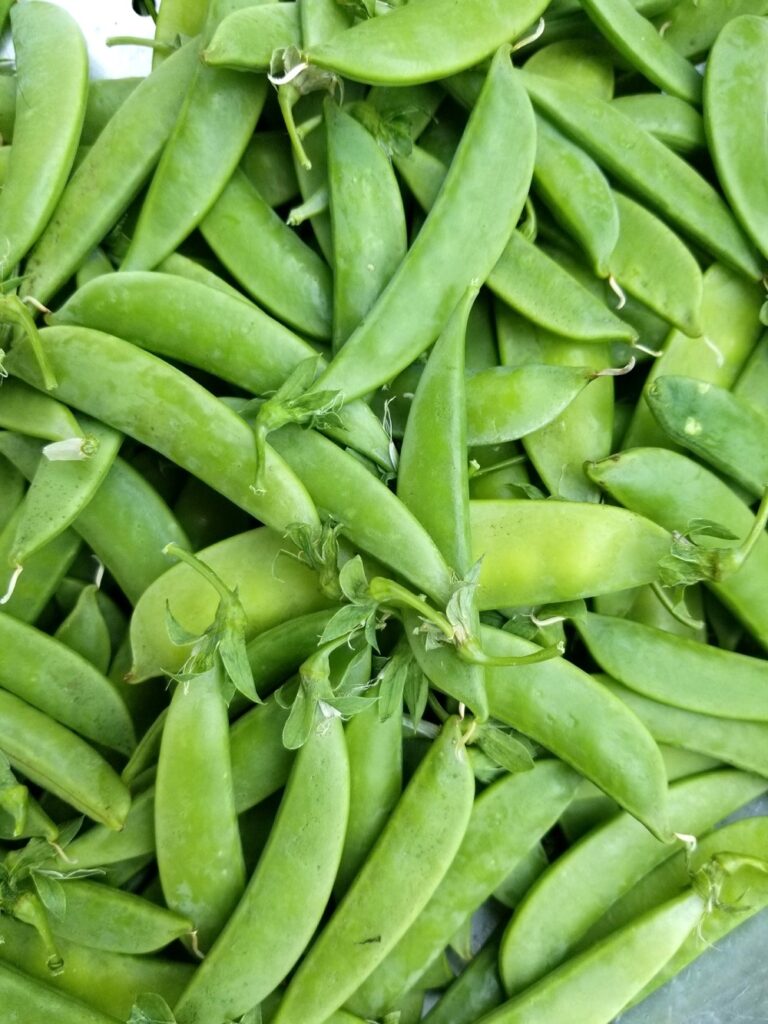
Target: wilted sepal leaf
[(150, 1008), (51, 893), (362, 9), (461, 610), (416, 693), (508, 752), (318, 550), (179, 636), (354, 582), (301, 719), (347, 620)]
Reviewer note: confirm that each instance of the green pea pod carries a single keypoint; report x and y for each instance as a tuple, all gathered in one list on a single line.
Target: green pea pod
[(673, 491), (179, 18), (46, 674), (321, 20), (268, 259), (102, 846), (268, 166), (715, 425), (286, 896), (655, 173), (581, 885), (367, 219), (11, 490), (192, 270), (407, 864), (28, 594), (59, 761), (105, 97), (277, 653), (653, 264), (465, 233), (584, 63), (261, 764), (88, 365), (477, 990), (424, 44), (110, 176), (271, 588), (85, 630), (692, 26), (22, 996), (52, 76), (247, 38), (671, 120), (176, 317), (731, 326), (753, 379), (26, 411), (507, 819)]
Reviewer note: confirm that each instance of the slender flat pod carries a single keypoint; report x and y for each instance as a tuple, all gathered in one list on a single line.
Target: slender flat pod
[(261, 764), (462, 237), (477, 990), (585, 63), (247, 38), (164, 408), (665, 181), (692, 26), (27, 411), (671, 120), (85, 630), (43, 571), (23, 997), (51, 86), (105, 97)]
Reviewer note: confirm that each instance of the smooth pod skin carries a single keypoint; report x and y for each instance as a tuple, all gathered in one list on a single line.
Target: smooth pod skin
[(585, 63), (247, 38), (716, 425), (752, 382), (164, 408), (52, 82), (178, 18), (22, 996), (62, 684), (110, 176), (61, 762), (276, 653), (473, 218), (42, 574), (655, 173), (105, 97), (27, 411), (561, 707), (321, 20), (11, 490), (672, 121), (435, 39), (261, 764), (582, 884), (85, 630), (477, 990), (287, 893), (507, 820), (268, 165), (692, 26), (542, 552), (675, 670), (407, 863)]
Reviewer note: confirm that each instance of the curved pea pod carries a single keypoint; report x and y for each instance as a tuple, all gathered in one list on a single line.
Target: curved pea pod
[(268, 259), (62, 684), (287, 893), (477, 990), (692, 26), (321, 20), (268, 165), (464, 233), (176, 318), (673, 491), (85, 630), (506, 821), (128, 976), (277, 652), (752, 382), (11, 490), (59, 761), (60, 490), (105, 97), (716, 425), (367, 219), (561, 707), (23, 996), (178, 18), (653, 264), (542, 552), (110, 176), (271, 588), (405, 867), (446, 671), (507, 402), (741, 744), (671, 120), (655, 173), (595, 986), (89, 365), (199, 853), (248, 37), (27, 594), (582, 884), (424, 44), (261, 764), (103, 846), (24, 410), (584, 63), (52, 78)]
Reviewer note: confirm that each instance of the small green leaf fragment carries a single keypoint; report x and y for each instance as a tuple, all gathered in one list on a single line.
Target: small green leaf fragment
[(509, 753)]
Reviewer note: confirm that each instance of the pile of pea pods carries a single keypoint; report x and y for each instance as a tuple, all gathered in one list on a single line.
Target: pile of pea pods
[(383, 495)]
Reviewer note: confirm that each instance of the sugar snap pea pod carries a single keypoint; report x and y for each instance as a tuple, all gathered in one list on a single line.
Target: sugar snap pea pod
[(271, 588), (27, 411), (653, 264), (60, 490), (730, 323), (224, 457), (52, 81), (671, 120), (109, 177), (477, 990), (261, 764), (59, 682), (176, 318), (178, 19), (741, 744), (202, 138), (268, 166), (27, 595), (692, 26), (86, 632), (539, 552), (405, 867), (424, 44), (638, 42), (96, 264), (287, 893), (23, 997), (735, 108), (277, 652), (101, 845), (582, 884), (566, 711), (473, 216), (655, 173), (105, 97), (61, 762), (247, 38), (367, 219), (370, 515), (11, 490), (191, 270), (751, 384), (507, 819), (715, 425), (673, 491), (585, 63), (675, 670), (321, 20)]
